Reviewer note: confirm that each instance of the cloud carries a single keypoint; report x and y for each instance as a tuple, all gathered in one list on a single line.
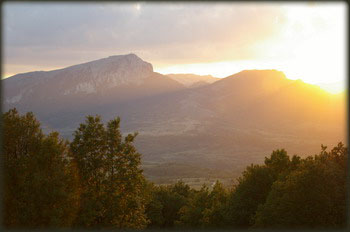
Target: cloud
[(60, 34)]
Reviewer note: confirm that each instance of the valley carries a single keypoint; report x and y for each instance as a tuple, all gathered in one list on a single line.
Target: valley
[(197, 130)]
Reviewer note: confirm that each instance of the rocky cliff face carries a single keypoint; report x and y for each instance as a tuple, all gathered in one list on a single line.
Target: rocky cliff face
[(109, 79), (91, 77)]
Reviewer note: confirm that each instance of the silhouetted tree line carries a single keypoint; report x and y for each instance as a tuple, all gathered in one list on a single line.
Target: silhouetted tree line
[(95, 181)]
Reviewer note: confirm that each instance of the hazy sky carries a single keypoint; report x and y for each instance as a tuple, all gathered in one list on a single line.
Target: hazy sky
[(305, 40)]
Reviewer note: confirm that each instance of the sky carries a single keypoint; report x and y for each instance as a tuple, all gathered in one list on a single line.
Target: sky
[(305, 40)]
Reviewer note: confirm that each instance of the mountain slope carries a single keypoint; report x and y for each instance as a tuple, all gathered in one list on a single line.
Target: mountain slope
[(116, 78), (193, 80), (218, 128)]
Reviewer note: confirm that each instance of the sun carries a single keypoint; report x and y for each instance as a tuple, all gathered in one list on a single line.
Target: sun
[(316, 41)]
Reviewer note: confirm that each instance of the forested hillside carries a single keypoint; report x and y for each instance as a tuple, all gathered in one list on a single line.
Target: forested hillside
[(95, 181)]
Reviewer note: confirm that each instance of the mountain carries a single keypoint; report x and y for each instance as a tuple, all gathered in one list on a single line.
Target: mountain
[(94, 84), (240, 119), (193, 80), (210, 131)]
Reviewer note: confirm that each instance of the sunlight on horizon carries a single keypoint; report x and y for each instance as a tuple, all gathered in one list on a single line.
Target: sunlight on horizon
[(225, 69), (306, 41), (311, 46)]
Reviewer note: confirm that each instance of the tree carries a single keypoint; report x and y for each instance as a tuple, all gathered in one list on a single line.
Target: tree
[(88, 150), (254, 186), (312, 196), (280, 164), (111, 179), (96, 182), (164, 208), (40, 184), (251, 191), (191, 214), (154, 207), (214, 215)]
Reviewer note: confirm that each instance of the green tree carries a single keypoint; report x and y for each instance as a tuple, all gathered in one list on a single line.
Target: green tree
[(111, 179), (164, 208), (254, 186), (251, 191), (192, 214), (278, 163), (205, 208), (214, 215), (88, 150), (40, 184), (154, 207), (312, 196)]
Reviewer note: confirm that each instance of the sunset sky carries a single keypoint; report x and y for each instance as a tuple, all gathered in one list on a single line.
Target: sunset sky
[(304, 40)]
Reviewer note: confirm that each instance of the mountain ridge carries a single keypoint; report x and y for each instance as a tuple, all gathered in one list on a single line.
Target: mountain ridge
[(226, 124), (192, 80)]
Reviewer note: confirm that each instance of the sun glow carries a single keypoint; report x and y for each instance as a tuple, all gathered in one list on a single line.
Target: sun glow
[(311, 45)]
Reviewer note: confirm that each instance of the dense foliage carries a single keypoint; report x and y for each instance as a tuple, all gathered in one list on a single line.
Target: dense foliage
[(110, 177), (40, 183), (95, 181)]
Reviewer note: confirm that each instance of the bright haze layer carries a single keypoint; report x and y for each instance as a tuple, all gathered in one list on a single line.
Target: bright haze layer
[(306, 41)]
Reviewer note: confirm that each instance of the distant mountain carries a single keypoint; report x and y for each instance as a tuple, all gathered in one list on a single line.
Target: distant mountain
[(213, 130), (193, 80), (109, 80)]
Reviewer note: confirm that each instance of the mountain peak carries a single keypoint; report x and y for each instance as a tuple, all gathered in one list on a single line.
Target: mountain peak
[(90, 77), (114, 71), (125, 56), (262, 73)]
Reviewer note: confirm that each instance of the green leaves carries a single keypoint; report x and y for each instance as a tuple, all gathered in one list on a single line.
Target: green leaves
[(96, 182), (292, 193), (111, 176), (251, 191), (311, 196), (39, 184)]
